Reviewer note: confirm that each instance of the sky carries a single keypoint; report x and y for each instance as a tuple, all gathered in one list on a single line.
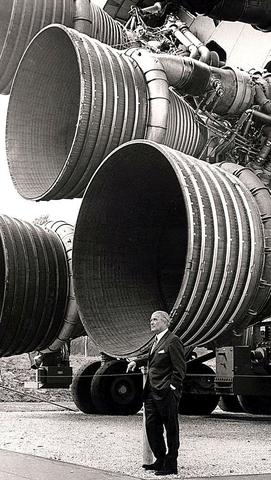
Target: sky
[(12, 204)]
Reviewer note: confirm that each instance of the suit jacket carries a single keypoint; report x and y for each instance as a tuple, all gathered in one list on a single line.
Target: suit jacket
[(166, 365)]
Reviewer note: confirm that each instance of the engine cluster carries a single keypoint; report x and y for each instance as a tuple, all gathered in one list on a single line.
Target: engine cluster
[(160, 29), (244, 139), (240, 135)]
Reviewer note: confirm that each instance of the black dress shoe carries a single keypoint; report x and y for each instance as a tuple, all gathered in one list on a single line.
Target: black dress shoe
[(157, 465), (167, 471)]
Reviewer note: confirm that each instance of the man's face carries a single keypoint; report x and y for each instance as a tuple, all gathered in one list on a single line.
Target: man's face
[(158, 324)]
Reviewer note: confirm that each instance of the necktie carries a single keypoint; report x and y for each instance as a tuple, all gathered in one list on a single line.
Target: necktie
[(154, 343)]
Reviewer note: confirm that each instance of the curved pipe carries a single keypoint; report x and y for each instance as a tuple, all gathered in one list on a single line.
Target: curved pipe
[(20, 20), (116, 98), (204, 52), (184, 41), (193, 246), (261, 97), (158, 93)]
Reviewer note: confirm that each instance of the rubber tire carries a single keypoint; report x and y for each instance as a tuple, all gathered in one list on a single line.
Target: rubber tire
[(81, 386), (115, 392), (230, 403), (255, 404), (198, 404)]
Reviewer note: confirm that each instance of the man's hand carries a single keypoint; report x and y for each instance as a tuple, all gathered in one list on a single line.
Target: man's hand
[(131, 366)]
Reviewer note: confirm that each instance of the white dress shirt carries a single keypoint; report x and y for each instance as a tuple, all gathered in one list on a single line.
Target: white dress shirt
[(160, 335)]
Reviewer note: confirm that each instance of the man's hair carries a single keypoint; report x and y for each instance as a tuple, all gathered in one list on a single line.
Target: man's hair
[(162, 315)]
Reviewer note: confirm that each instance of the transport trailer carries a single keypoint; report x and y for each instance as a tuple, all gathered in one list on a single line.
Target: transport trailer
[(244, 372), (238, 381)]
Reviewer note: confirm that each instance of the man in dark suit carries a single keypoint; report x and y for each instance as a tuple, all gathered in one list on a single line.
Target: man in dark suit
[(162, 392)]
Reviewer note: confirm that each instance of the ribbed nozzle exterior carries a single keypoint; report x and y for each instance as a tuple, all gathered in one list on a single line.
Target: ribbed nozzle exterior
[(93, 21), (34, 286), (20, 21), (74, 100), (71, 325), (160, 230)]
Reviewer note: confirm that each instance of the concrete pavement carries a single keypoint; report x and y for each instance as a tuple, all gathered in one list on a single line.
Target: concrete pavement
[(18, 466)]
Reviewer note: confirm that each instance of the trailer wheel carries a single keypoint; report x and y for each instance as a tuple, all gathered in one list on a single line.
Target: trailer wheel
[(115, 392), (198, 403), (230, 403), (81, 386), (256, 404)]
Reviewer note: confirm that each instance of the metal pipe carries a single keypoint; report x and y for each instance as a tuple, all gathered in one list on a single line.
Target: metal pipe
[(194, 246), (262, 99), (20, 20), (158, 93), (204, 52), (194, 53), (189, 76), (153, 9), (81, 19), (184, 73)]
